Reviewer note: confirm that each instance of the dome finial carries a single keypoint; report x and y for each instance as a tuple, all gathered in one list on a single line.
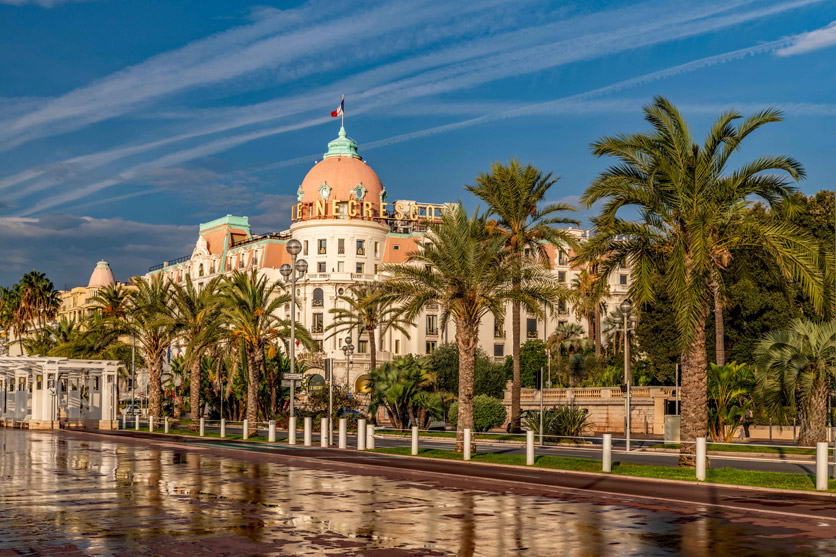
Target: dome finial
[(343, 146)]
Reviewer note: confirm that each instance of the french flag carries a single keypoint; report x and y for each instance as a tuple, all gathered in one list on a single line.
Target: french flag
[(339, 111)]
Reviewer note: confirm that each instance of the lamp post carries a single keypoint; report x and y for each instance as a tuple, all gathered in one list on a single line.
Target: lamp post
[(297, 270), (626, 309), (348, 350)]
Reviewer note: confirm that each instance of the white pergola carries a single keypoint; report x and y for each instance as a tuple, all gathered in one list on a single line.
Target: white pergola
[(35, 390)]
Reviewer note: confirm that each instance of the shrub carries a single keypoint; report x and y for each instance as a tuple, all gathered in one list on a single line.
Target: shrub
[(560, 421), (488, 412)]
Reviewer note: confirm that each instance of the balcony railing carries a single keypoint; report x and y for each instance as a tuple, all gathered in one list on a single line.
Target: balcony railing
[(169, 263)]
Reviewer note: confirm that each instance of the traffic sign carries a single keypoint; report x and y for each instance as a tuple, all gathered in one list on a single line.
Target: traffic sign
[(286, 382), (296, 376)]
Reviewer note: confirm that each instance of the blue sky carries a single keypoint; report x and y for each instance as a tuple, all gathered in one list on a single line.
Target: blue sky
[(126, 123)]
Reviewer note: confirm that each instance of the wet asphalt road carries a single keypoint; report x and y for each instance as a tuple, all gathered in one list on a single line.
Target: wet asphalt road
[(79, 494)]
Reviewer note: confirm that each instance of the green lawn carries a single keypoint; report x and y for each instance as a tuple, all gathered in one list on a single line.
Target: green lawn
[(745, 448), (213, 435), (730, 476)]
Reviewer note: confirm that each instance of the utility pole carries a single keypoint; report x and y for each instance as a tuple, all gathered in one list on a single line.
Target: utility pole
[(626, 308)]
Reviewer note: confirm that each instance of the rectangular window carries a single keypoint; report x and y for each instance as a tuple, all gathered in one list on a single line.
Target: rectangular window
[(361, 247), (320, 267), (622, 279), (432, 324), (375, 268), (498, 350), (561, 307), (561, 276), (319, 346), (361, 268), (341, 246), (340, 266), (362, 346), (305, 248), (531, 328), (562, 258), (377, 249), (397, 346), (322, 247), (498, 329), (316, 326), (430, 346)]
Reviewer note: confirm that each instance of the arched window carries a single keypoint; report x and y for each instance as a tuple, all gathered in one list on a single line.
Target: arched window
[(318, 298), (316, 382), (361, 385), (200, 270)]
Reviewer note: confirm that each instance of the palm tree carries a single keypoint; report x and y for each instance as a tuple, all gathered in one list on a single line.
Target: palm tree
[(797, 366), (515, 197), (590, 291), (461, 267), (683, 194), (112, 302), (401, 386), (150, 321), (198, 318), (366, 311), (249, 304)]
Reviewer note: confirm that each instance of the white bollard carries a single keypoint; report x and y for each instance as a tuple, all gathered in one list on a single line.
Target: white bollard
[(291, 430), (245, 431), (124, 421), (834, 459), (529, 448), (370, 436), (271, 431), (202, 427), (701, 458), (606, 459), (323, 435), (307, 433), (414, 440), (361, 434), (223, 428), (151, 423), (821, 466), (343, 433), (137, 422), (467, 444), (166, 424)]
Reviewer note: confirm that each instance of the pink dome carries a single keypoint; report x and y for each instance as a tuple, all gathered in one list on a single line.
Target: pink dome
[(102, 276), (342, 175)]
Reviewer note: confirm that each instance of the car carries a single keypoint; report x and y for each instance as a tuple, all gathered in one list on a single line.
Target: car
[(132, 409)]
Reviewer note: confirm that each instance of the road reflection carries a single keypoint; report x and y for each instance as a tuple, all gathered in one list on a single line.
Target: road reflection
[(61, 494)]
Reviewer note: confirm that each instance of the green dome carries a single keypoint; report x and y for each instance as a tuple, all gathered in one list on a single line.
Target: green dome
[(343, 146)]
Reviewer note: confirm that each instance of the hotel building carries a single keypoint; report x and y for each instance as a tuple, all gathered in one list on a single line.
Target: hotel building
[(348, 231)]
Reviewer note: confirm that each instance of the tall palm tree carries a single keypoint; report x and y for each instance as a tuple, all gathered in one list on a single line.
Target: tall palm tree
[(798, 368), (250, 303), (515, 195), (683, 194), (112, 301), (367, 311), (461, 267), (590, 291), (150, 321), (198, 318)]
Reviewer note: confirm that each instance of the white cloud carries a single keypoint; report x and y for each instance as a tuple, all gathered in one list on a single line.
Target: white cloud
[(808, 42)]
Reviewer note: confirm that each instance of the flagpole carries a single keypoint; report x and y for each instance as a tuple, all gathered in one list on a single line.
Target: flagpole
[(342, 116)]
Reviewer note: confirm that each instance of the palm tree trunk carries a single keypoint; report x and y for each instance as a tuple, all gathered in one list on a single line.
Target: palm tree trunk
[(155, 385), (516, 379), (467, 339), (372, 350), (694, 395), (194, 392), (254, 364), (719, 328), (813, 425), (597, 330)]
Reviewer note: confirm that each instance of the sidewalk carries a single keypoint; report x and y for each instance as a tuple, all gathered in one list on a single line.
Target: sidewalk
[(493, 477)]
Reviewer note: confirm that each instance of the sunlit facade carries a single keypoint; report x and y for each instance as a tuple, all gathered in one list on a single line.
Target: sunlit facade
[(348, 231)]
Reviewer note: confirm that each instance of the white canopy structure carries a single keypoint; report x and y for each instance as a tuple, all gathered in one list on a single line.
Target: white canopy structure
[(48, 393)]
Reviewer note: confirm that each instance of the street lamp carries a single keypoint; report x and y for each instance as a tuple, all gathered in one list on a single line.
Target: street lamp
[(348, 350), (297, 270), (626, 309)]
